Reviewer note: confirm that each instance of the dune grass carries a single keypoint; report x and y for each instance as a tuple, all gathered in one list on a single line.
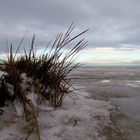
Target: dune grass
[(48, 73)]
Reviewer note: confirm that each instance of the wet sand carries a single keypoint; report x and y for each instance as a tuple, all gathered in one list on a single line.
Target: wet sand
[(120, 86)]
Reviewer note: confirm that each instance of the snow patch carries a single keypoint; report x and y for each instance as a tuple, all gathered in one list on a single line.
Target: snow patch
[(131, 74), (2, 73), (132, 85), (105, 81), (137, 81)]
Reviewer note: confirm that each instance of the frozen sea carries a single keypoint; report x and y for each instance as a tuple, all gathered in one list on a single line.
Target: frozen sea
[(120, 86)]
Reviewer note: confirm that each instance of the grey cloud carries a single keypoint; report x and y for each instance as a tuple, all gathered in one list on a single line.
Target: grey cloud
[(50, 12), (112, 23)]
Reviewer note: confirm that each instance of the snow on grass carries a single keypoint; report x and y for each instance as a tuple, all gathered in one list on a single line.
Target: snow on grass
[(83, 120), (2, 73)]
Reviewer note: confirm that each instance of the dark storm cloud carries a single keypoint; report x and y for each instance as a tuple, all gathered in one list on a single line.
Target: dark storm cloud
[(112, 23)]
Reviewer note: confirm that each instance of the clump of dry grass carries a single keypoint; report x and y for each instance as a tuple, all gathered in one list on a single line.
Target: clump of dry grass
[(49, 74)]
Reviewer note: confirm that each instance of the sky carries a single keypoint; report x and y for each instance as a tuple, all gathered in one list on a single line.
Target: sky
[(113, 38)]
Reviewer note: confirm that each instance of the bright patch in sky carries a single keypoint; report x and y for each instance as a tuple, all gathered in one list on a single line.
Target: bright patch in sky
[(109, 55)]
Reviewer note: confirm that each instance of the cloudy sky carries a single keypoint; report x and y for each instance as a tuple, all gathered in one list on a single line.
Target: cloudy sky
[(114, 35)]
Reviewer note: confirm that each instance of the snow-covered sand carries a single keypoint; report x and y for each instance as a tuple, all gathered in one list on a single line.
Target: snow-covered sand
[(84, 120)]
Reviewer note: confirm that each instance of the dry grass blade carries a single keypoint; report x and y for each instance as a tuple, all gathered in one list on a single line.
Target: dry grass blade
[(49, 73)]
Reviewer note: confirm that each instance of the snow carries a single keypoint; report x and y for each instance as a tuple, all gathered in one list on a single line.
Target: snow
[(138, 81), (131, 74), (132, 85), (2, 73), (84, 119), (105, 81), (80, 121)]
